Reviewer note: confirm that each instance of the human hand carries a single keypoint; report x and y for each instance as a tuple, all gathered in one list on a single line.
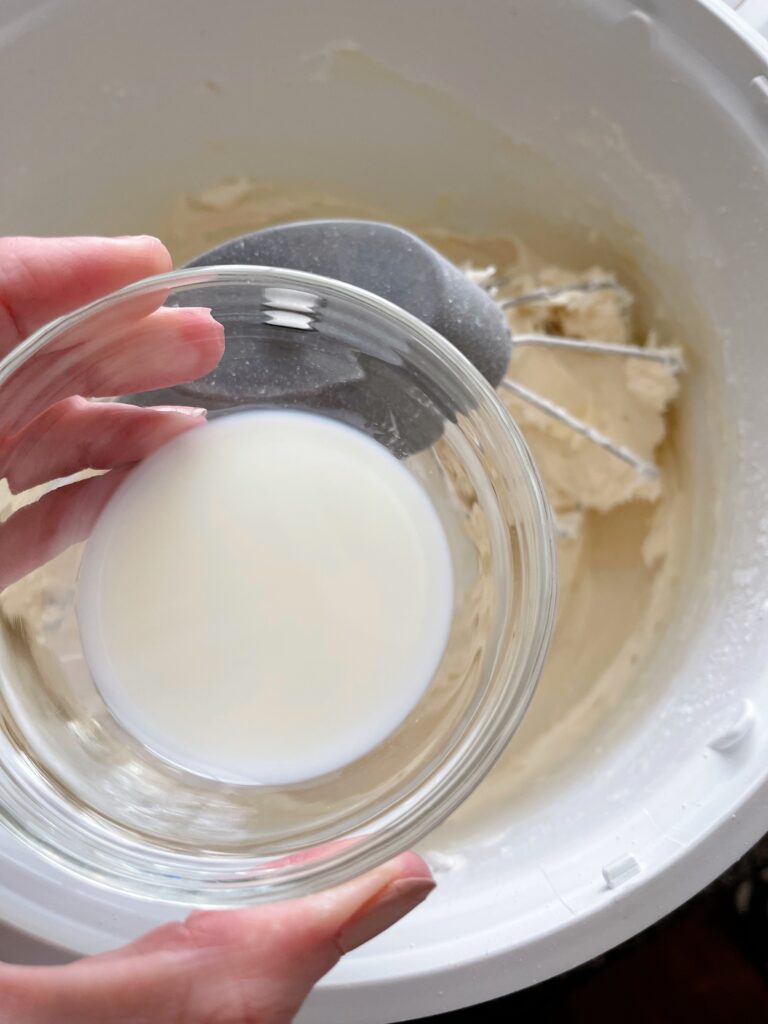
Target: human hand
[(248, 966), (229, 967), (48, 427)]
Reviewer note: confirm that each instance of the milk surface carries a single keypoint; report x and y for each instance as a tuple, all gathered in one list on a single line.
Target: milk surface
[(266, 598)]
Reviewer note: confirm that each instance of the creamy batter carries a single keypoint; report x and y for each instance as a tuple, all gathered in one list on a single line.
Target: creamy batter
[(621, 537)]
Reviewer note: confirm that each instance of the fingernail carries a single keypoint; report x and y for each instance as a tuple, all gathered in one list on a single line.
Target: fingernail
[(135, 238), (393, 902), (184, 410)]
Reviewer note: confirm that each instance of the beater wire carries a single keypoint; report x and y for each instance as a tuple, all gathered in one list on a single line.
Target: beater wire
[(646, 469)]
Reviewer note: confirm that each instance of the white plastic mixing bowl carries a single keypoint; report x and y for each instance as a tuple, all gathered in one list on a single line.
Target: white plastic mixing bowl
[(608, 116)]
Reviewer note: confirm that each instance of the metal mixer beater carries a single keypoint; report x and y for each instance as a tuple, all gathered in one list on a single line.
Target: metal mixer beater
[(400, 267)]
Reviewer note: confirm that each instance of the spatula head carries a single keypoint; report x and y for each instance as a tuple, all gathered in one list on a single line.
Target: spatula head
[(380, 258)]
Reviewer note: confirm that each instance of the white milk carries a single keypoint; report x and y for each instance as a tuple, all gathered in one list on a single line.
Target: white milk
[(266, 598)]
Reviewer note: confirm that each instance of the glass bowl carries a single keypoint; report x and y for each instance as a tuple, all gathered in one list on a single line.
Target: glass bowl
[(83, 791)]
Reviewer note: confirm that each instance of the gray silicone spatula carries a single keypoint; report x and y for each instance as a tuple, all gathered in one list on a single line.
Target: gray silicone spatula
[(398, 266)]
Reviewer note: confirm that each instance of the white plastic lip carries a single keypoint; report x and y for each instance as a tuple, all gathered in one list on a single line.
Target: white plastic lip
[(481, 976), (625, 911), (754, 12)]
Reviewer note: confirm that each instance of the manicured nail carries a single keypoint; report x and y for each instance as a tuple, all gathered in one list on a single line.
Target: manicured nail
[(393, 902)]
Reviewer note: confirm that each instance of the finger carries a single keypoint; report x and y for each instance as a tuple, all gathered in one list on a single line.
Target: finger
[(169, 347), (253, 966), (65, 516), (275, 954), (332, 923), (76, 434), (43, 278)]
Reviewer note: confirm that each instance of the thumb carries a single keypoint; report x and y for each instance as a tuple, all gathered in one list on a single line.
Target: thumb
[(280, 951), (307, 936), (254, 965)]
